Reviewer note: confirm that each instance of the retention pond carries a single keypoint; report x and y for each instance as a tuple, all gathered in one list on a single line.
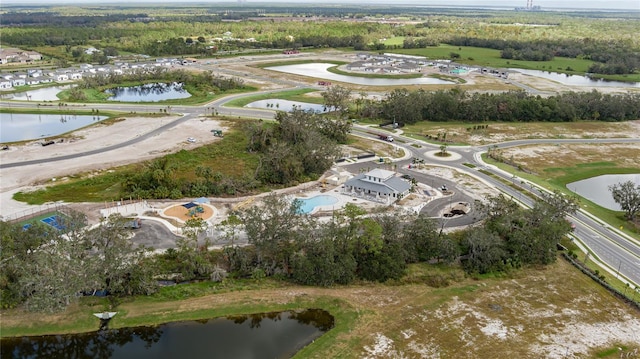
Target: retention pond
[(265, 335)]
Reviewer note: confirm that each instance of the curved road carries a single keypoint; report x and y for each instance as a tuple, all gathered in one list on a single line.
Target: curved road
[(620, 253)]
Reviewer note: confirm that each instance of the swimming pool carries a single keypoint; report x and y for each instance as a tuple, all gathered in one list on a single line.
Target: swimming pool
[(309, 204)]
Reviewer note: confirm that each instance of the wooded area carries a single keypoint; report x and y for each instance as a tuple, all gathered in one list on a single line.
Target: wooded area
[(538, 36), (47, 270)]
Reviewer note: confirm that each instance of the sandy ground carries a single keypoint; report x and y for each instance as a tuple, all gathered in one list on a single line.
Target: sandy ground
[(182, 214), (95, 137)]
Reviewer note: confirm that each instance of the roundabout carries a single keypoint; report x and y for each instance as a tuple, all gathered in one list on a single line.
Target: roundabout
[(435, 155)]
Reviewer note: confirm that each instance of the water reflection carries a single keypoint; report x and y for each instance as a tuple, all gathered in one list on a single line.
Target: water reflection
[(151, 92), (596, 189), (319, 70), (41, 94), (265, 335), (22, 127), (286, 105), (575, 80)]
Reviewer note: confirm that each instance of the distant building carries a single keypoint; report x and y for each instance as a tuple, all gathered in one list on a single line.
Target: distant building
[(10, 54)]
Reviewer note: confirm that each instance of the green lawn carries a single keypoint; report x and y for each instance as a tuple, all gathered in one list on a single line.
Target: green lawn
[(479, 56), (292, 95)]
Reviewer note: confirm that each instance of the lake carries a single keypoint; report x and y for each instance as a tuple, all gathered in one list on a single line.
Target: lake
[(23, 127), (319, 70), (575, 80), (286, 105), (41, 94), (596, 189), (152, 92), (265, 335)]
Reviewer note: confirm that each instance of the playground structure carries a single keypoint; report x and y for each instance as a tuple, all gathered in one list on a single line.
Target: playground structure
[(186, 211)]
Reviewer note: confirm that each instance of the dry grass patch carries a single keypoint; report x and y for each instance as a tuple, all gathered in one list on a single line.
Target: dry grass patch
[(559, 158), (501, 132), (551, 312), (359, 145)]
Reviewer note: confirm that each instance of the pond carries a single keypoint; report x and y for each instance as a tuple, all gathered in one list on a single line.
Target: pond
[(319, 70), (286, 105), (22, 127), (575, 80), (152, 92), (41, 94), (266, 335), (596, 189)]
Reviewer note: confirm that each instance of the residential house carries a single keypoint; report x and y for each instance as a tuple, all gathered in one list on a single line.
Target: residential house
[(59, 77), (16, 81), (16, 55), (5, 84)]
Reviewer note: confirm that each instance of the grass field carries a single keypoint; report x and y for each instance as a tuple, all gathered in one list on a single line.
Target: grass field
[(293, 95), (434, 311), (479, 56), (463, 133)]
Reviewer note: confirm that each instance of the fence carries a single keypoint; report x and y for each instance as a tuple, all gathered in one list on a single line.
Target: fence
[(37, 211)]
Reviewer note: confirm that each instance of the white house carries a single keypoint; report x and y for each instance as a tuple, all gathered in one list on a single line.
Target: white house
[(75, 76), (5, 84), (378, 185), (33, 81), (61, 77), (18, 82)]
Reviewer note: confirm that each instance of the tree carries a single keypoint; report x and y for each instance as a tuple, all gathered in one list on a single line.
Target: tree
[(443, 150), (38, 267), (193, 256), (273, 227), (114, 263), (423, 243), (484, 251), (627, 195), (337, 98)]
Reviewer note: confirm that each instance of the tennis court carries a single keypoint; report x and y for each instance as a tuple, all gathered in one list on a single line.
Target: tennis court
[(54, 221)]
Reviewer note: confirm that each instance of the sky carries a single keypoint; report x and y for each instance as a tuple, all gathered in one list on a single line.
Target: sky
[(550, 4)]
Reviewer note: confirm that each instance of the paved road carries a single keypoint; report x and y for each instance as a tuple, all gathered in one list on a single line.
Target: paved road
[(620, 253)]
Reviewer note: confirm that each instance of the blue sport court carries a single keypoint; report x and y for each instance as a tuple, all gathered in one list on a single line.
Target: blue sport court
[(53, 221)]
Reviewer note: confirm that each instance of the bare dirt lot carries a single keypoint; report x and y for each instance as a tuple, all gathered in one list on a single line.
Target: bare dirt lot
[(96, 137), (556, 157)]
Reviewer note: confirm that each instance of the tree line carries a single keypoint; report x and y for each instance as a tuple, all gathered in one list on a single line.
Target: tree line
[(174, 35), (513, 106), (46, 270), (612, 56)]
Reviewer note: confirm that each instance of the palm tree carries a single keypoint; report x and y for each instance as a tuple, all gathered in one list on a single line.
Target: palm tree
[(443, 150)]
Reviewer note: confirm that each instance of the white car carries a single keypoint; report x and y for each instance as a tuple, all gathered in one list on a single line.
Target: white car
[(191, 140)]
